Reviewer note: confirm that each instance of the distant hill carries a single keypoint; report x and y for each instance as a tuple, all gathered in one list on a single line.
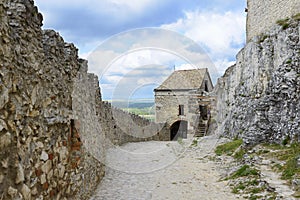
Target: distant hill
[(138, 103)]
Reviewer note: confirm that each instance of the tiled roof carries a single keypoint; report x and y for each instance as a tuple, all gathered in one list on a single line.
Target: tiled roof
[(184, 79)]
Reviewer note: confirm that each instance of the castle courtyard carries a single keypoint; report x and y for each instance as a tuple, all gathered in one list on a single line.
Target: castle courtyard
[(179, 170)]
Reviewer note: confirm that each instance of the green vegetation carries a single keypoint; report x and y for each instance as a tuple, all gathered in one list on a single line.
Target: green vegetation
[(180, 140), (140, 111), (262, 38), (284, 23), (239, 154), (228, 148), (250, 186), (288, 61), (142, 107), (296, 17), (147, 112), (286, 140), (290, 155), (284, 159), (194, 143), (244, 170)]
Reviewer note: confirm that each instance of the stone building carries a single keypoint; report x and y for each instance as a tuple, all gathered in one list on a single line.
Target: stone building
[(181, 101)]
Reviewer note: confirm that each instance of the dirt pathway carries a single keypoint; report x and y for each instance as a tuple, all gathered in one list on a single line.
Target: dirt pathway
[(163, 170)]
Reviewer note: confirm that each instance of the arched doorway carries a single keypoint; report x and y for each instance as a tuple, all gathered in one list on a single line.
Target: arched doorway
[(178, 129)]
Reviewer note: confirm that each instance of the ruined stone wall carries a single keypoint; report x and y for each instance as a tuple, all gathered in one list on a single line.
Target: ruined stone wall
[(86, 98), (121, 127), (41, 151), (263, 14), (259, 97)]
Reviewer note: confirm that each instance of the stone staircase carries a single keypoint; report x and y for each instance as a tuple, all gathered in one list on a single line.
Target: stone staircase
[(202, 128)]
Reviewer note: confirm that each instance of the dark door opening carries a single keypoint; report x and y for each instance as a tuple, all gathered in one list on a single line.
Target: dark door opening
[(203, 112), (178, 129)]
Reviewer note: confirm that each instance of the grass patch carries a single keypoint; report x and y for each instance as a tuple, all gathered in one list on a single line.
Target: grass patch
[(290, 155), (296, 17), (284, 23), (257, 190), (262, 38), (289, 61), (248, 187), (194, 143), (237, 188), (240, 154), (228, 148), (245, 170), (255, 197), (273, 146)]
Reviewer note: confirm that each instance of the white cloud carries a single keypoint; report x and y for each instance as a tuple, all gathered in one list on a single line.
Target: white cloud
[(125, 56), (222, 34), (133, 5), (223, 64)]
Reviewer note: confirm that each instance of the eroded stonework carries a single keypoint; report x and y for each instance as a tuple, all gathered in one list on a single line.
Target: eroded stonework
[(259, 97)]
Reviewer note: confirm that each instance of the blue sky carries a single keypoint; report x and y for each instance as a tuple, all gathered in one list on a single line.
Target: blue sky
[(115, 37)]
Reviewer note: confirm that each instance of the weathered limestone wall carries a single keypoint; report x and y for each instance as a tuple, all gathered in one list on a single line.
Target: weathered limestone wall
[(41, 151), (121, 127), (86, 99), (259, 97), (262, 14)]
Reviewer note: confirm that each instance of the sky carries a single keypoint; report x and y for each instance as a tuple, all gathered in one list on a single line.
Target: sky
[(134, 45)]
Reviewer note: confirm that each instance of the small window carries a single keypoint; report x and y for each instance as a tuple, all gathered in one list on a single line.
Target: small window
[(181, 109), (206, 85)]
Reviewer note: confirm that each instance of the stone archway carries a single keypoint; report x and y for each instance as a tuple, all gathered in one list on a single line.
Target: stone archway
[(178, 129)]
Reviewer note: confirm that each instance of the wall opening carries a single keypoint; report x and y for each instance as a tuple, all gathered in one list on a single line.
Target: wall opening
[(178, 129), (181, 109), (206, 86), (203, 112)]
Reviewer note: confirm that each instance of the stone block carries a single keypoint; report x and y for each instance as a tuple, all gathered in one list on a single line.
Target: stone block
[(43, 179), (26, 192), (5, 140), (2, 125), (1, 178), (47, 166), (44, 156), (20, 174), (12, 192)]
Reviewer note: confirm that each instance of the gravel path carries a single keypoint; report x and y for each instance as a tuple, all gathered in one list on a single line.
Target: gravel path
[(163, 170)]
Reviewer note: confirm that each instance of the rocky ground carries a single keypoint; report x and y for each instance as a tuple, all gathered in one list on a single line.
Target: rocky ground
[(165, 170)]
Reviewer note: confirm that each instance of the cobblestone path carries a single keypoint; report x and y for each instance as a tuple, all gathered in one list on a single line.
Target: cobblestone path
[(163, 170)]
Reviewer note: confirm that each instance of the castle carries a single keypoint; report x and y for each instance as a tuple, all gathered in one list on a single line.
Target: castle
[(55, 129)]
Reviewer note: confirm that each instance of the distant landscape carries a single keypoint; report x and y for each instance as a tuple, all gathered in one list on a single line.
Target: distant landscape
[(142, 107)]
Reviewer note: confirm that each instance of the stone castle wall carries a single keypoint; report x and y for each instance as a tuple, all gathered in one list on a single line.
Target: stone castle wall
[(121, 127), (263, 14), (42, 154), (54, 128), (258, 98)]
